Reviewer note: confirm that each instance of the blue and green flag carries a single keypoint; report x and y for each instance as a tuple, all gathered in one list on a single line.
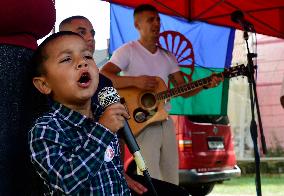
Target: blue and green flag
[(210, 51)]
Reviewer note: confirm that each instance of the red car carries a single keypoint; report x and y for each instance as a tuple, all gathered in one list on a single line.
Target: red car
[(206, 152)]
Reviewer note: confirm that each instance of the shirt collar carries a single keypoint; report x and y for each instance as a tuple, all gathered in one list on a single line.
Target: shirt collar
[(72, 116)]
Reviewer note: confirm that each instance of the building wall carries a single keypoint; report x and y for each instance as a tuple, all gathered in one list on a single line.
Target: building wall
[(270, 63)]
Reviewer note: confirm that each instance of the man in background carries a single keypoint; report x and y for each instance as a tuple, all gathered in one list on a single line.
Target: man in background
[(141, 62)]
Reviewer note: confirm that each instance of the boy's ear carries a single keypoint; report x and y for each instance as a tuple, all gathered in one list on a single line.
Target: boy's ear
[(41, 85)]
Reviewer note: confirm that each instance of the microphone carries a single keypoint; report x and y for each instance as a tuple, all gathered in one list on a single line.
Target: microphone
[(238, 17), (108, 96)]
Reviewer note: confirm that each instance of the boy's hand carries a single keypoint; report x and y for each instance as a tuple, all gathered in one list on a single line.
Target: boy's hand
[(134, 185), (113, 117)]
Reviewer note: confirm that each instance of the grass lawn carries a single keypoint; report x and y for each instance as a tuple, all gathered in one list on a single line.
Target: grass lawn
[(245, 186)]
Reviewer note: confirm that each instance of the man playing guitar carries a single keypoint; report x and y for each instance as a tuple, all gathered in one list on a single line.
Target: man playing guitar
[(141, 62)]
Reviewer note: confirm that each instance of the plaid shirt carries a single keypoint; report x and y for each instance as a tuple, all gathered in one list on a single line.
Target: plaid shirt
[(69, 153)]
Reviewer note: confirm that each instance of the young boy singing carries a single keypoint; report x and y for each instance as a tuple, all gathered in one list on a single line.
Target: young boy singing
[(74, 147)]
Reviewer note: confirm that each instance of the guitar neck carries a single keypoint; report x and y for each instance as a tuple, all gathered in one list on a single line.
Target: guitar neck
[(228, 73), (184, 88)]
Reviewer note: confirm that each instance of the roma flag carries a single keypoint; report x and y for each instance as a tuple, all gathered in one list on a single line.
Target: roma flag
[(200, 49)]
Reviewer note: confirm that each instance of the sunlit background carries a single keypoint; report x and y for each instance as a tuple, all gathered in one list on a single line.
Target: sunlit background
[(95, 10)]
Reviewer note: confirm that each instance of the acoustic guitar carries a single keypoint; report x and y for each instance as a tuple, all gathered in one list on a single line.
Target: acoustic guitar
[(146, 107)]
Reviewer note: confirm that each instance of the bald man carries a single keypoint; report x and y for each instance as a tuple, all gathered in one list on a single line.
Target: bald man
[(82, 26)]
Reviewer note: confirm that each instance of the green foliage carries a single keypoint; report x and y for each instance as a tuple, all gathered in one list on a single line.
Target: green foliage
[(245, 185), (266, 167)]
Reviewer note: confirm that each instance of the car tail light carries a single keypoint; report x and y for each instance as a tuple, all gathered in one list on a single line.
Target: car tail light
[(184, 137), (185, 145)]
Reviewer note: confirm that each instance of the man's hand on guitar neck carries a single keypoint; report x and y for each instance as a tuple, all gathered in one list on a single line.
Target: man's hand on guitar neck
[(215, 81)]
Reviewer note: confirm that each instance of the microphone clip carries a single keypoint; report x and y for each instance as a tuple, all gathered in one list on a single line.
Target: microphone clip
[(238, 17)]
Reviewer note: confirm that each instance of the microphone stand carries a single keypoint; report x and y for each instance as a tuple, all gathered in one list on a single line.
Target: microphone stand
[(253, 125), (135, 151)]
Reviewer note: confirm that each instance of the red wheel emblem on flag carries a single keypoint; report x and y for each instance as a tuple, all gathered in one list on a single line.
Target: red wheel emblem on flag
[(181, 47)]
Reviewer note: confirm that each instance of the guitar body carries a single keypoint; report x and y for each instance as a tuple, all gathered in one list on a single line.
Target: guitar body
[(143, 107)]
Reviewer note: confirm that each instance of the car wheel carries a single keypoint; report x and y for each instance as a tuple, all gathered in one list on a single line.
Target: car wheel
[(199, 189)]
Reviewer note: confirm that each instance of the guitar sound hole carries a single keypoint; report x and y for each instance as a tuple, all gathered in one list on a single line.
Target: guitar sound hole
[(140, 115), (148, 100)]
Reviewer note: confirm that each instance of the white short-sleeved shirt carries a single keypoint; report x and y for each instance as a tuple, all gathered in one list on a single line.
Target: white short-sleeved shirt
[(135, 60)]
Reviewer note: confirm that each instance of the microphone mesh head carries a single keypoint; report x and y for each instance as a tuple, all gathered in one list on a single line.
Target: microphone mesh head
[(108, 96)]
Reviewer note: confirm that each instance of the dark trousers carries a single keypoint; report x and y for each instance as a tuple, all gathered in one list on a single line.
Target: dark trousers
[(162, 188)]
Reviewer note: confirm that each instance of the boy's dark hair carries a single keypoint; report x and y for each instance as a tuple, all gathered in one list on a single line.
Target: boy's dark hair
[(70, 19), (40, 56), (144, 7)]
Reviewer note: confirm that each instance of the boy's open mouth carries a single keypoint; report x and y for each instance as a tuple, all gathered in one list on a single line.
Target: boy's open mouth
[(84, 78)]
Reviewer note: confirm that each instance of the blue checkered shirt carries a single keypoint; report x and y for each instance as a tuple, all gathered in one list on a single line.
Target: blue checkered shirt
[(68, 152)]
